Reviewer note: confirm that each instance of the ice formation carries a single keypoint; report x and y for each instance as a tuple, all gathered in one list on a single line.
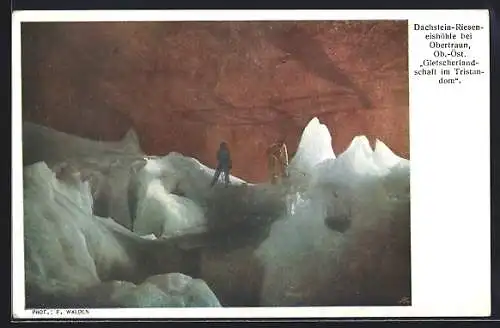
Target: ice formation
[(162, 213), (69, 251), (170, 194), (166, 290), (108, 166), (315, 146), (385, 158), (351, 186), (107, 225), (66, 249)]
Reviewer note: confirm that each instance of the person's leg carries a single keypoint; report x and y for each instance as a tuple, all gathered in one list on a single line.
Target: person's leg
[(226, 177), (216, 176), (286, 172), (276, 171), (281, 172), (271, 169)]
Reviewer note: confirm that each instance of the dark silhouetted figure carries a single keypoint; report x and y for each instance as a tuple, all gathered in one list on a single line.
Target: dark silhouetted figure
[(224, 164)]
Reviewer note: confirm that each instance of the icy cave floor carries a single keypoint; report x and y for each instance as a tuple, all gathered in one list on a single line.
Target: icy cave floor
[(107, 226)]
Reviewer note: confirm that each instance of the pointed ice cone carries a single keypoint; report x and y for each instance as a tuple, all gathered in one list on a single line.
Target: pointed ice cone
[(357, 158), (360, 144), (315, 146), (358, 150), (384, 157), (131, 141)]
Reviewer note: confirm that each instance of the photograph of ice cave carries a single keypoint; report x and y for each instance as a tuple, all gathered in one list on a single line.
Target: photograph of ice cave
[(216, 164)]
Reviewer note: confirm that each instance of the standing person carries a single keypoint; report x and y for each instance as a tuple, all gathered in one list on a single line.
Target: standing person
[(224, 164), (277, 155)]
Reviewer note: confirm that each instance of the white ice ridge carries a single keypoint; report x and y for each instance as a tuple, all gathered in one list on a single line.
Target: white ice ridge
[(44, 144)]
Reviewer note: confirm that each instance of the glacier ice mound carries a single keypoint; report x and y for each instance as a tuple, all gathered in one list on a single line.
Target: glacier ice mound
[(66, 249), (69, 251), (165, 290)]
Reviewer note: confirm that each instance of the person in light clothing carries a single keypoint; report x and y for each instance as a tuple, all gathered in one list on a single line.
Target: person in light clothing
[(277, 155)]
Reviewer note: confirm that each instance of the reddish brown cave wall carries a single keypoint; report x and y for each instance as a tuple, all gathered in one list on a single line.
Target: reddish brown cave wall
[(185, 86)]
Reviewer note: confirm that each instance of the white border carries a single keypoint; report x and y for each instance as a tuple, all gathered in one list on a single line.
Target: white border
[(449, 129), (227, 15)]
